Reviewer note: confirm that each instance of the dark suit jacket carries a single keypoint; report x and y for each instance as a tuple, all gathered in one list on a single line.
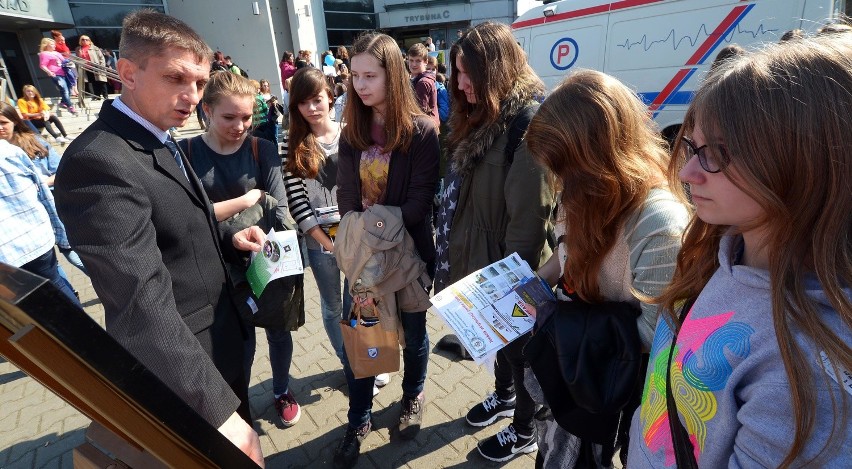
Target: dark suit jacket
[(151, 246)]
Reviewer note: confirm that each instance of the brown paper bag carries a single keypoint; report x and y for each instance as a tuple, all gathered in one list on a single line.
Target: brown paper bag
[(371, 349)]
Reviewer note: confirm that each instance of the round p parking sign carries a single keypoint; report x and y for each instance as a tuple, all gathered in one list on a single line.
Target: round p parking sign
[(564, 53)]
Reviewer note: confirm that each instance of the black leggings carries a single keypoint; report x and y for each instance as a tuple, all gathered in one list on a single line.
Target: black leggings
[(97, 88), (42, 124)]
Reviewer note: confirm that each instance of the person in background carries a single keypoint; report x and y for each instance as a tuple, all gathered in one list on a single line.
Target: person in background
[(430, 46), (343, 55), (51, 62), (15, 131), (37, 112), (754, 341), (96, 82), (423, 82), (388, 156), (29, 224), (504, 204), (61, 47), (287, 67), (145, 229), (271, 128), (339, 101), (620, 225), (218, 63), (233, 68), (235, 179)]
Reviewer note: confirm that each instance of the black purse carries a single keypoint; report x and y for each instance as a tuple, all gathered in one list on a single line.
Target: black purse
[(588, 360)]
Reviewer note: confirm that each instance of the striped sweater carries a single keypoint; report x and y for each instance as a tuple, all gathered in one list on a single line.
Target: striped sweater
[(306, 195)]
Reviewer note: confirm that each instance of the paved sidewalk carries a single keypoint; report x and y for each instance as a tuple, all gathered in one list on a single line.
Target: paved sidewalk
[(39, 430)]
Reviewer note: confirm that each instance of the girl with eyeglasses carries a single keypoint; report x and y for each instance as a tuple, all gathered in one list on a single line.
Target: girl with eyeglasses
[(751, 360)]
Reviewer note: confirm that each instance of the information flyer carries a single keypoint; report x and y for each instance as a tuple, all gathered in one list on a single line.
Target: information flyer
[(492, 306), (279, 257)]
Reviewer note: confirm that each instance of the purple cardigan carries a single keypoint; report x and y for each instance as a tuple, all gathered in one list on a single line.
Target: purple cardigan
[(412, 178)]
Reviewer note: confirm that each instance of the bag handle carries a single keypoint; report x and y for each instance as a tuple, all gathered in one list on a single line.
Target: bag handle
[(683, 449)]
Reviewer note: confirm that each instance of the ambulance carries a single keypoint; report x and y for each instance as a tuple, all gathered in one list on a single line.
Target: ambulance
[(660, 48)]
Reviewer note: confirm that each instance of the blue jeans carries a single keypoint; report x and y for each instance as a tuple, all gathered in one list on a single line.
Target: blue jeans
[(280, 357), (46, 266), (327, 275), (60, 83), (415, 357)]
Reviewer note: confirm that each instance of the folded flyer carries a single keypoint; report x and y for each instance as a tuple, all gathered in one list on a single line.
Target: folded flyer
[(279, 257), (493, 306)]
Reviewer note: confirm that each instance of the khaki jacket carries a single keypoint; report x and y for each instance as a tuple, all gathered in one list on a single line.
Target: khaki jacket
[(376, 253)]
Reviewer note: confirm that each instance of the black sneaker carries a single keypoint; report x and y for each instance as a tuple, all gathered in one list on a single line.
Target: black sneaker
[(489, 410), (346, 454), (507, 444), (411, 416)]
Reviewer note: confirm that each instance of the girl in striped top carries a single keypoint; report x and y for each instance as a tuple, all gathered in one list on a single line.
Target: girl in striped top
[(622, 226), (309, 153)]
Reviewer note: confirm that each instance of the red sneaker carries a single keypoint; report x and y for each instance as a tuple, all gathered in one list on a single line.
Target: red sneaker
[(288, 409)]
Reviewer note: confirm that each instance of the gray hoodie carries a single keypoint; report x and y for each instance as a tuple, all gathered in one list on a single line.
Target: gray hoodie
[(731, 389)]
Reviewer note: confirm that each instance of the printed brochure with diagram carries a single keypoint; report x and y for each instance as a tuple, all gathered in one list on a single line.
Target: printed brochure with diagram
[(279, 257), (492, 306)]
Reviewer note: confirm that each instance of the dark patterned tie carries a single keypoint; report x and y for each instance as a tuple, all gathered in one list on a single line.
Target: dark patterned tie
[(171, 145)]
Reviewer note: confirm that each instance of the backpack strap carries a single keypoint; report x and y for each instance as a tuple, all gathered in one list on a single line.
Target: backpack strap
[(517, 129), (683, 449)]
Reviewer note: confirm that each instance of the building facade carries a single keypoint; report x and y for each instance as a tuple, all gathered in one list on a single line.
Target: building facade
[(254, 33)]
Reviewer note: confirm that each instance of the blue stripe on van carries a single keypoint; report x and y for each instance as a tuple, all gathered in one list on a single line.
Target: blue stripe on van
[(679, 97)]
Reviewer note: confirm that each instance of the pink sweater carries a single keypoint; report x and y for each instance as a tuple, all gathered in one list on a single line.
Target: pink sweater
[(52, 61)]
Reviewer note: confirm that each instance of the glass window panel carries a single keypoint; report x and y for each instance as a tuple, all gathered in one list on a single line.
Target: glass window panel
[(349, 5), (123, 2), (341, 37), (102, 15), (350, 21), (105, 38)]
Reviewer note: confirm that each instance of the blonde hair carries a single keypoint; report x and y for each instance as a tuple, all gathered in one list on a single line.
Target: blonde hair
[(603, 151), (45, 41), (80, 41), (225, 83), (783, 114)]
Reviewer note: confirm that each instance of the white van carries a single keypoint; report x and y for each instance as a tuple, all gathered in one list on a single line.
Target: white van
[(660, 48)]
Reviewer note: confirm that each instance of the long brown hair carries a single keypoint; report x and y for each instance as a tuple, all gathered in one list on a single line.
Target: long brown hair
[(784, 114), (306, 155), (496, 65), (400, 105), (597, 140), (22, 135)]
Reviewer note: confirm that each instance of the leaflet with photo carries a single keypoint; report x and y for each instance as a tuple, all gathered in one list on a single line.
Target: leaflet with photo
[(493, 306), (279, 257)]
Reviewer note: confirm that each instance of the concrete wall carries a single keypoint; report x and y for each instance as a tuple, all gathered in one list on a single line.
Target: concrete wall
[(251, 40)]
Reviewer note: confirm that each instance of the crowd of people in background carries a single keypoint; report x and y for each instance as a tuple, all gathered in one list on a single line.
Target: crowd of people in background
[(730, 245)]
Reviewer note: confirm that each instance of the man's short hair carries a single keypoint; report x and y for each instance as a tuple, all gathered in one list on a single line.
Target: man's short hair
[(147, 32), (418, 50)]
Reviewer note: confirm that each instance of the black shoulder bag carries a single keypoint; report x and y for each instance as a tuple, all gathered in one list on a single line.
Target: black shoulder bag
[(683, 449)]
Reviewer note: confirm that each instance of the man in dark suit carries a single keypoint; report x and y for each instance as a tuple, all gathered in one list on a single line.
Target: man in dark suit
[(138, 216)]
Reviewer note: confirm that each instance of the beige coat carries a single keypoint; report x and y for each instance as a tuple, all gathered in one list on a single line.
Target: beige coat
[(97, 58), (376, 253)]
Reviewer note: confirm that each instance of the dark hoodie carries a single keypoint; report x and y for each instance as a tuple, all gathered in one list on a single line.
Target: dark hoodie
[(426, 93)]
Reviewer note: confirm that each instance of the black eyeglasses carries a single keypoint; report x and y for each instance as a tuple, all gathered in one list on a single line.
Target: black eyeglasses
[(711, 161)]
